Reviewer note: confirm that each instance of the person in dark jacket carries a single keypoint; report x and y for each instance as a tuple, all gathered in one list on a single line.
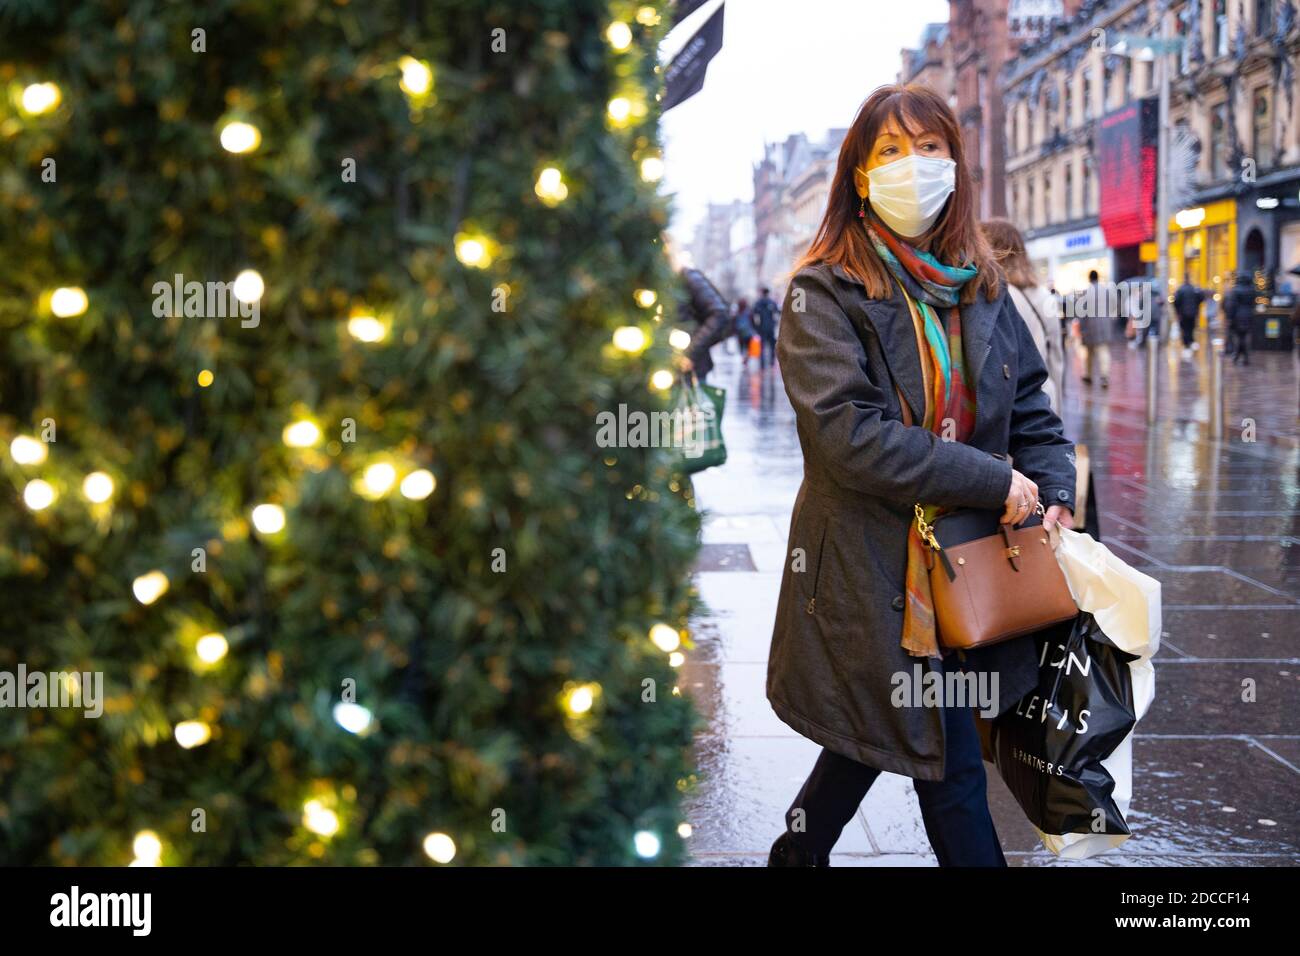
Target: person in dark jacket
[(913, 379), (1239, 310), (765, 318), (703, 307), (1187, 304), (744, 330)]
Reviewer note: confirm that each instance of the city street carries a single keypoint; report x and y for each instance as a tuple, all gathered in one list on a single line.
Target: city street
[(1215, 778)]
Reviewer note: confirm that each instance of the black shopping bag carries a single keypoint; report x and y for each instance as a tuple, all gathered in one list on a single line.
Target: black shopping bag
[(1049, 748)]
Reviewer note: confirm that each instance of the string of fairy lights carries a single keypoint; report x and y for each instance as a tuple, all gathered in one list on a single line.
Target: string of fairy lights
[(239, 135)]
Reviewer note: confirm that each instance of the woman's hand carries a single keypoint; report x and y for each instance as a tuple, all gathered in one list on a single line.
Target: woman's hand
[(1022, 499), (1058, 514)]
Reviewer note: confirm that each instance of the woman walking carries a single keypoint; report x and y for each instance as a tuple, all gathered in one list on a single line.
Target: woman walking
[(1036, 305), (912, 378)]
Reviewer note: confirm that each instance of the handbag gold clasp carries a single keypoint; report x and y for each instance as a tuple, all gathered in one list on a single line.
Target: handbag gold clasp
[(926, 529)]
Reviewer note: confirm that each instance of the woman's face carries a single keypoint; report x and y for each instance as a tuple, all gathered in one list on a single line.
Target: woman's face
[(893, 142)]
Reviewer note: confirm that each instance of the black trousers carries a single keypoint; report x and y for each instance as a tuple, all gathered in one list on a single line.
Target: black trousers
[(955, 810), (1240, 341)]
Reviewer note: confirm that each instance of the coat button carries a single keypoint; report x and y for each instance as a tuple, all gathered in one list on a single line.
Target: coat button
[(898, 603), (1006, 371), (1063, 495)]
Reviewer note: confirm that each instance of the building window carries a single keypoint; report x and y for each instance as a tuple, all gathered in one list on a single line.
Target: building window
[(1263, 17), (1263, 130), (1220, 27), (1107, 79), (1069, 190), (1087, 186), (1087, 95), (1067, 104), (1015, 203), (1048, 211), (1219, 142), (1030, 219)]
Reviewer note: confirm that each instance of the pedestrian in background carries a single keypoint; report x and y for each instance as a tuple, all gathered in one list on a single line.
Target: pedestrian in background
[(1037, 306), (765, 318), (702, 306), (1187, 304), (1096, 326), (897, 330), (744, 330), (1239, 310)]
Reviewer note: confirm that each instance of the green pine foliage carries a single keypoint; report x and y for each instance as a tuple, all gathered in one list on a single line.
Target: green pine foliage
[(490, 376)]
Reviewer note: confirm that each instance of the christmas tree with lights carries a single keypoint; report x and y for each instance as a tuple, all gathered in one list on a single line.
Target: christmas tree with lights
[(307, 314)]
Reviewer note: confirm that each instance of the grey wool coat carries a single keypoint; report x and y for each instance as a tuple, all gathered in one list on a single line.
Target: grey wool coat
[(836, 641)]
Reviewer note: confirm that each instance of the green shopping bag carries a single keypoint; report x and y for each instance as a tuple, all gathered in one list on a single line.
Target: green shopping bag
[(699, 410)]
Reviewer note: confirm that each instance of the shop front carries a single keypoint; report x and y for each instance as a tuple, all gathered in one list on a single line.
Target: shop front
[(1064, 260), (1203, 247)]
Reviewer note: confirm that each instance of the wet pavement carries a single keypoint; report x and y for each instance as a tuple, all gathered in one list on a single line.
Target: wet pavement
[(1216, 779)]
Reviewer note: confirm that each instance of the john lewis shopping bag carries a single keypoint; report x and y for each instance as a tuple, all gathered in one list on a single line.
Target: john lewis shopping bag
[(1065, 751)]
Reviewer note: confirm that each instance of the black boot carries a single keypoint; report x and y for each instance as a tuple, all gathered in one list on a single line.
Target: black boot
[(786, 852)]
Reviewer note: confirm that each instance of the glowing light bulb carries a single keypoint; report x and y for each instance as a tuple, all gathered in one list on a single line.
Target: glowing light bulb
[(581, 699), (68, 301), (619, 35), (148, 588), (417, 76), (353, 718), (192, 733), (97, 487), (205, 378), (684, 830), (365, 328), (647, 845), (26, 450), (473, 251), (211, 648), (629, 338), (248, 286), (662, 380), (619, 108), (319, 819), (647, 16), (439, 847), (38, 495), (645, 297), (676, 659), (419, 484), (301, 434), (665, 637), (147, 848), (679, 338), (550, 186), (268, 519), (237, 137), (379, 478), (40, 98), (652, 169)]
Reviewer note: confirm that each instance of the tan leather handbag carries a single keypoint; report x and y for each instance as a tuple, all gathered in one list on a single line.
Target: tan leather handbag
[(991, 582)]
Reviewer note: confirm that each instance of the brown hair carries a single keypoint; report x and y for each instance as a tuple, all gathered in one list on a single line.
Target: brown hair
[(1009, 250), (955, 236)]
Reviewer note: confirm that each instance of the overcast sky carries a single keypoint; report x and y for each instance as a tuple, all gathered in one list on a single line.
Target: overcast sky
[(786, 66)]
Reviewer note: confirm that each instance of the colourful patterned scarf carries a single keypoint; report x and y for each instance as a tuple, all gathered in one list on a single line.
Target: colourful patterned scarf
[(928, 284)]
